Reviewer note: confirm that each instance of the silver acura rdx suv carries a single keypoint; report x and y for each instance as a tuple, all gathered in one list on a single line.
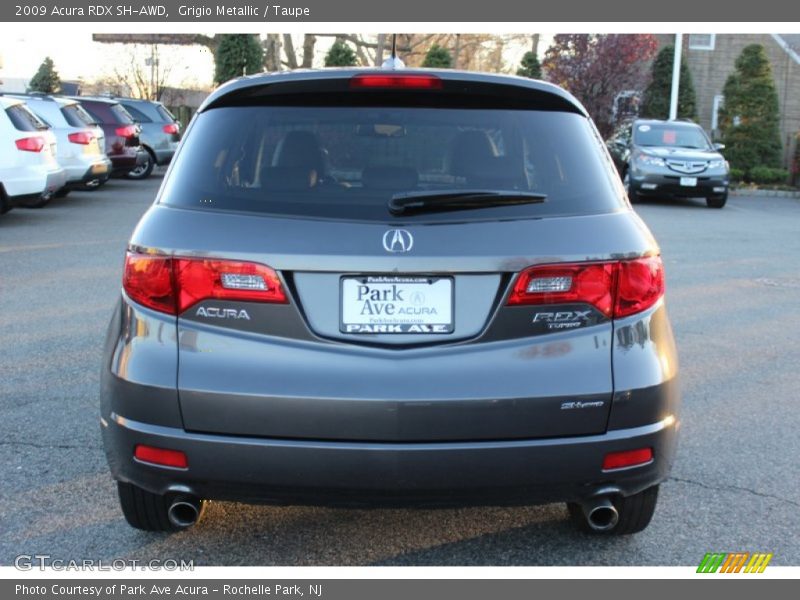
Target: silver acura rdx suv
[(391, 287)]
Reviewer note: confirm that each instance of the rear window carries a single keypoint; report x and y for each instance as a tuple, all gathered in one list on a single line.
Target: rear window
[(23, 119), (166, 116), (76, 115), (137, 114), (347, 162), (108, 113)]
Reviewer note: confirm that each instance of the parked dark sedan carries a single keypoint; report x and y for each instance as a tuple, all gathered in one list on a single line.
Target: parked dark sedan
[(391, 287), (122, 143)]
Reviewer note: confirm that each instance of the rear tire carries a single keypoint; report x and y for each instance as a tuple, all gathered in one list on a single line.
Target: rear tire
[(145, 510), (635, 513), (144, 170), (5, 205), (717, 201), (63, 193)]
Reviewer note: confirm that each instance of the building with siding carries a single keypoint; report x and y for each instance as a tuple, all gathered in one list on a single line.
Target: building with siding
[(711, 59)]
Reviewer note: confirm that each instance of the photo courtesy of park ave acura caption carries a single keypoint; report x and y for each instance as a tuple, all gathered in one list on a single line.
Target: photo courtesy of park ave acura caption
[(333, 300)]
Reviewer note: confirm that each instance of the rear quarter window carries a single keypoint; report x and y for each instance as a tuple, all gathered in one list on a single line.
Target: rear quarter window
[(76, 116), (23, 119), (348, 162), (108, 113), (138, 114)]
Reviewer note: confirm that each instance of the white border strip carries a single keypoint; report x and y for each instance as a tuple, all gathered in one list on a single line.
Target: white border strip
[(415, 27)]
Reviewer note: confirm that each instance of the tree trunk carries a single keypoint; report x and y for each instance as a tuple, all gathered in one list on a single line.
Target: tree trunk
[(309, 40), (457, 51), (379, 49), (535, 44), (288, 48), (272, 52)]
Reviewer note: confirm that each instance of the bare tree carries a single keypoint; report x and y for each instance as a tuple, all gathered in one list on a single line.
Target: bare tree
[(144, 76)]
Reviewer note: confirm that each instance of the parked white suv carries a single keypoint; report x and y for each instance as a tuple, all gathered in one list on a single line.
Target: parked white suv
[(29, 172), (81, 143)]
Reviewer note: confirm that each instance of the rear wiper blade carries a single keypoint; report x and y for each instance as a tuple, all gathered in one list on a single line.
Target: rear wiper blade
[(444, 200)]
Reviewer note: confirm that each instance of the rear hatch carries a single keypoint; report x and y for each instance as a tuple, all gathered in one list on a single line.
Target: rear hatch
[(120, 130), (86, 135), (316, 301)]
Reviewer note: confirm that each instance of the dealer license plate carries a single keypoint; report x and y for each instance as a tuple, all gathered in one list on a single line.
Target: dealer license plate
[(396, 304)]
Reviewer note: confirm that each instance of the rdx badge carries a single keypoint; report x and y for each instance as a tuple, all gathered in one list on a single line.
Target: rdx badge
[(222, 313), (566, 319)]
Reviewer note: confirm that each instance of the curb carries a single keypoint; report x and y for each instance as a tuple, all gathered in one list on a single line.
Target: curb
[(765, 193)]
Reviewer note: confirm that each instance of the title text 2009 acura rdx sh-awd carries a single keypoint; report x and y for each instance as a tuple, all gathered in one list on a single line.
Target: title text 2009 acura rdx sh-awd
[(372, 287)]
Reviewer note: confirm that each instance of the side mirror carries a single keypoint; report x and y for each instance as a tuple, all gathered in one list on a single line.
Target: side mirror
[(719, 146)]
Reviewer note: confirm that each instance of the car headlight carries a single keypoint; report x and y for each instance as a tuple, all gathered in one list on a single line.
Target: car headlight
[(718, 164), (647, 160)]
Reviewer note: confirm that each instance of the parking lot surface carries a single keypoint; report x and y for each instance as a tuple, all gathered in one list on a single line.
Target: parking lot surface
[(733, 291)]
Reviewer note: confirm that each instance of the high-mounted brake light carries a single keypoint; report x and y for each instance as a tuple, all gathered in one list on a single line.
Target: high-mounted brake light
[(171, 128), (161, 456), (128, 131), (31, 144), (416, 82), (616, 289), (81, 137), (172, 285)]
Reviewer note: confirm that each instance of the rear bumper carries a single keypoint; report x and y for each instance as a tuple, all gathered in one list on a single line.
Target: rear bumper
[(99, 170), (164, 155), (33, 183), (312, 472), (133, 157)]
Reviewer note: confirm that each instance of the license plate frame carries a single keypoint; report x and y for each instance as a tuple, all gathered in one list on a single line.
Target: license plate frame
[(405, 323)]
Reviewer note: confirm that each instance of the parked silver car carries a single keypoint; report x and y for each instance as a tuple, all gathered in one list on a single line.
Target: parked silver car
[(29, 172), (81, 144)]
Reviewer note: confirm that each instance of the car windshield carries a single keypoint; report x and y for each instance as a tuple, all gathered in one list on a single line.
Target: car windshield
[(348, 162), (680, 136)]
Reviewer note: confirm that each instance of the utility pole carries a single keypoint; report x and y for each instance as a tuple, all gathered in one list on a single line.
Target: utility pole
[(676, 77)]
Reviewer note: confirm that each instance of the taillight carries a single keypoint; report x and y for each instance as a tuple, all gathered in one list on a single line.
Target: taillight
[(627, 458), (640, 283), (31, 144), (81, 137), (161, 456), (128, 131), (197, 280), (171, 128), (416, 82), (171, 285), (148, 281), (616, 289)]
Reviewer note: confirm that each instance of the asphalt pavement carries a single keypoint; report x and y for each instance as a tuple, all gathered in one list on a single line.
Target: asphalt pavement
[(733, 279)]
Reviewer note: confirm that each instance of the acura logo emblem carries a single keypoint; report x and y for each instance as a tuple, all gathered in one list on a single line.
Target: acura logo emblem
[(397, 240)]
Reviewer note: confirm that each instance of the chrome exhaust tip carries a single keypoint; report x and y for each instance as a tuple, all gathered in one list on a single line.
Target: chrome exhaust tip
[(184, 512), (601, 514)]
